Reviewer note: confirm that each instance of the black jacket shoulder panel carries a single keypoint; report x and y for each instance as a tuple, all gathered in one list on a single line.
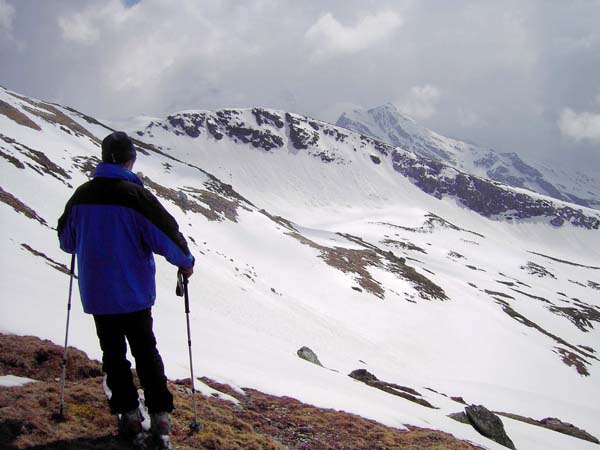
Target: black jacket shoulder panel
[(117, 192)]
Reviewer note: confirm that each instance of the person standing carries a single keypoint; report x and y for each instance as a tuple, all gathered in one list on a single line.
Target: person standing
[(114, 226)]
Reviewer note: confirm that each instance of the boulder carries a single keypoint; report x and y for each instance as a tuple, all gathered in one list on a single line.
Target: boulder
[(488, 424), (399, 391), (363, 375), (460, 417), (308, 355), (567, 428)]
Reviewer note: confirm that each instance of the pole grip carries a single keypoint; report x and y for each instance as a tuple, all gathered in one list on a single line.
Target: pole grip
[(182, 290), (185, 295)]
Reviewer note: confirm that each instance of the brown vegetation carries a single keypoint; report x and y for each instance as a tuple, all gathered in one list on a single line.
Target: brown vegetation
[(258, 422), (54, 264), (20, 207), (554, 424), (55, 116), (574, 358), (17, 116), (41, 163), (86, 164)]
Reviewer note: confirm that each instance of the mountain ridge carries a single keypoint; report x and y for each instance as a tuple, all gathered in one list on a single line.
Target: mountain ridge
[(315, 243), (388, 124)]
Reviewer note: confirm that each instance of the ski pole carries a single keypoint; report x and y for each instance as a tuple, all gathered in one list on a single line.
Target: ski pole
[(182, 290), (61, 416)]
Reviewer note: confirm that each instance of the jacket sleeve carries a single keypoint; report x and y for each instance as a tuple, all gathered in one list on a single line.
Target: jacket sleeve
[(65, 230), (161, 233)]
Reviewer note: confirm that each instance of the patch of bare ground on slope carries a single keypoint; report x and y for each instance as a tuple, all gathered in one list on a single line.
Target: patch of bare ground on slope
[(258, 422), (20, 207), (17, 116)]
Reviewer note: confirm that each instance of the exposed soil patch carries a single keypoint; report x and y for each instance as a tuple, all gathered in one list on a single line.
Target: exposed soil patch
[(226, 190), (180, 199), (498, 294), (43, 164), (11, 159), (554, 424), (427, 288), (565, 262), (54, 116), (280, 220), (570, 358), (218, 204), (357, 262), (86, 164), (535, 297), (348, 260), (391, 388), (56, 265), (17, 116), (432, 221), (20, 207), (582, 316), (257, 422), (405, 245), (535, 269), (516, 280)]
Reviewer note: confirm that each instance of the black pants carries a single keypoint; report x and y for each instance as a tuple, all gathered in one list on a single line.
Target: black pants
[(136, 327)]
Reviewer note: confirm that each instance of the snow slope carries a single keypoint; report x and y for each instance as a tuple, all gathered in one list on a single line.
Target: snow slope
[(321, 246), (389, 125)]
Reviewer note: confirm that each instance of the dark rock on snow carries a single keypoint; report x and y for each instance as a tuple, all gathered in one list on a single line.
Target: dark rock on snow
[(488, 424), (308, 355), (460, 417), (399, 391)]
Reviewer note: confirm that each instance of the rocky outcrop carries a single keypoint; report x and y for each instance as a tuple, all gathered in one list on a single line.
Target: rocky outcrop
[(407, 393), (301, 136), (266, 117), (488, 424), (554, 424), (307, 354), (386, 124), (484, 196), (270, 130)]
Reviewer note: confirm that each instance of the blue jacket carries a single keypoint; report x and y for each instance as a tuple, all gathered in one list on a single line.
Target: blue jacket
[(114, 225)]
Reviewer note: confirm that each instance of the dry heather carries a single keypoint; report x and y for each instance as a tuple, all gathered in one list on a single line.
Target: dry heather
[(259, 422)]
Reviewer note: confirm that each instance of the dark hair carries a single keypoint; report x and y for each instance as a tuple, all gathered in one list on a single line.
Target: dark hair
[(117, 148)]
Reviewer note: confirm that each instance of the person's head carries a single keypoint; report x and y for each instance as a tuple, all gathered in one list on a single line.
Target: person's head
[(117, 148)]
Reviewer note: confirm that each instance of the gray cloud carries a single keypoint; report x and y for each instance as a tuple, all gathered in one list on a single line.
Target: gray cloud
[(328, 37), (580, 126), (499, 73), (420, 102), (7, 15)]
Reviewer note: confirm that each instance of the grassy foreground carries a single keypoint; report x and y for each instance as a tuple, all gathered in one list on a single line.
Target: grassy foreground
[(258, 422)]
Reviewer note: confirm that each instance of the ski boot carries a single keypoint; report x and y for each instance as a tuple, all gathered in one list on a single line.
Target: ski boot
[(130, 429), (160, 428)]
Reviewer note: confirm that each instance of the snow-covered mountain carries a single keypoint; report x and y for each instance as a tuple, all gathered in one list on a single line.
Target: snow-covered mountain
[(386, 123), (308, 234)]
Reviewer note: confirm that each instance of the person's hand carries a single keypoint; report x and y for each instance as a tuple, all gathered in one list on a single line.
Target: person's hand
[(187, 273)]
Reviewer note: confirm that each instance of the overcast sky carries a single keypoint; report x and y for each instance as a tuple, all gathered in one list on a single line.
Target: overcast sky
[(514, 75)]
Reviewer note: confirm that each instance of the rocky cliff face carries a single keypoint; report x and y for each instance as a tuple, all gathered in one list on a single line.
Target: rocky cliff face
[(387, 124), (431, 168)]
